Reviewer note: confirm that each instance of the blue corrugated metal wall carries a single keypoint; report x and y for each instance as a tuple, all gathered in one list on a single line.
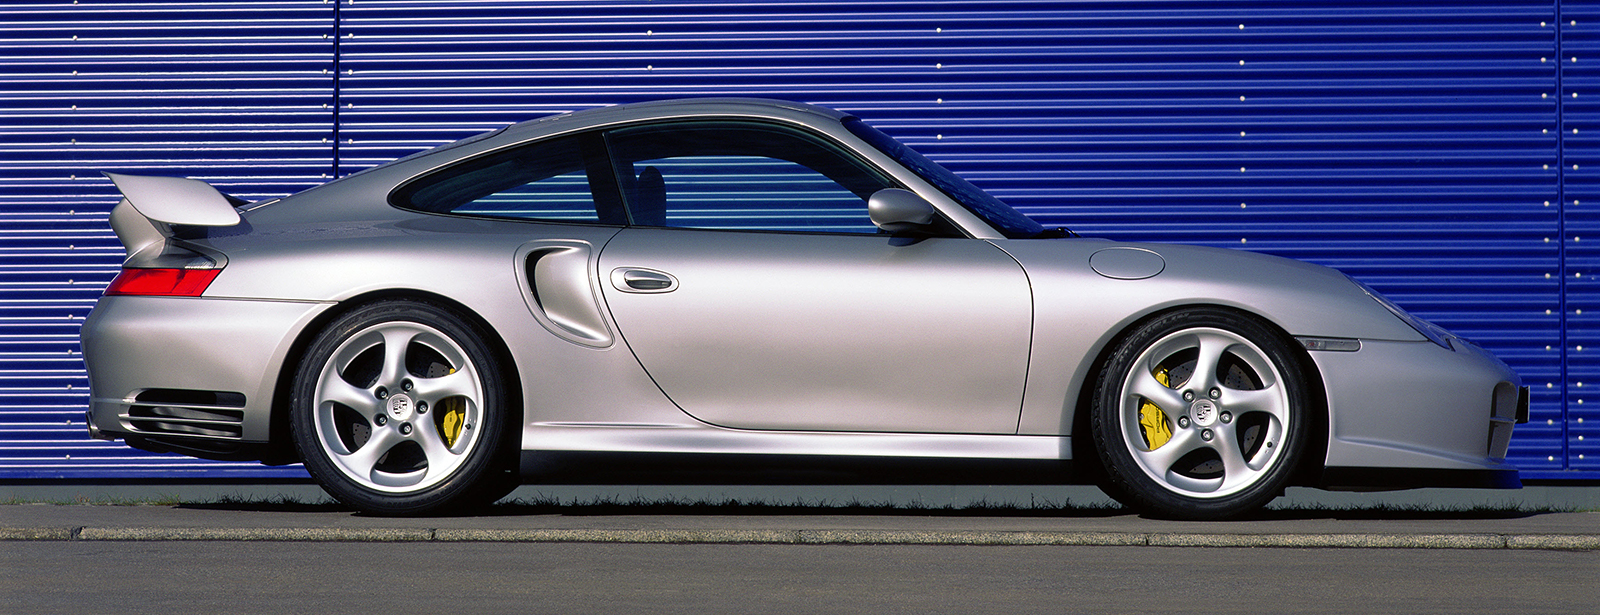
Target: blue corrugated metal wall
[(1578, 84), (236, 93), (1440, 151)]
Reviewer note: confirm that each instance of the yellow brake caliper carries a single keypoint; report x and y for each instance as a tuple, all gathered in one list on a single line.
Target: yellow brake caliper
[(454, 413), (455, 409), (1157, 428)]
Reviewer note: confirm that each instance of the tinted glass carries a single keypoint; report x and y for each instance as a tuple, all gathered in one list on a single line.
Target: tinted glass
[(741, 176), (548, 181)]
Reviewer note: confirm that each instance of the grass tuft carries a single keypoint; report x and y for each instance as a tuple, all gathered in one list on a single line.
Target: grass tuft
[(616, 505), (1508, 510), (611, 505), (160, 499)]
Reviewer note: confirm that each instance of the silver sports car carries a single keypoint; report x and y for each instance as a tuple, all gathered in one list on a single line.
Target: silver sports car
[(701, 290)]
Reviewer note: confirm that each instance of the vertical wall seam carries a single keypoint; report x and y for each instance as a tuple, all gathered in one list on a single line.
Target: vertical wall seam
[(1561, 232), (338, 34)]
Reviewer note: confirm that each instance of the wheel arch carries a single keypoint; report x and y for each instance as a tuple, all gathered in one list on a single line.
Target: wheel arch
[(281, 449), (1311, 466)]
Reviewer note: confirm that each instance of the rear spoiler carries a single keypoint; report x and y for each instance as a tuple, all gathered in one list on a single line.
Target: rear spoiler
[(151, 206)]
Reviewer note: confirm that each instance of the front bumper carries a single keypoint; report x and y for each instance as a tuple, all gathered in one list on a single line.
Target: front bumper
[(1398, 407), (189, 374)]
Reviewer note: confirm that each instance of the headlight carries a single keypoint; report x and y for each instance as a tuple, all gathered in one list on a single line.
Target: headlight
[(1433, 332)]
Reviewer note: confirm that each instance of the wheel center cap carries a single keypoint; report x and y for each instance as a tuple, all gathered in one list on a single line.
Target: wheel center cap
[(400, 407), (1204, 412)]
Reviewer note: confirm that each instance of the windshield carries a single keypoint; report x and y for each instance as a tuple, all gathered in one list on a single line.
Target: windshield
[(1001, 216)]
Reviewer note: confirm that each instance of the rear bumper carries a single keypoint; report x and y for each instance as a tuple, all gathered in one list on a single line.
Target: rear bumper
[(195, 372)]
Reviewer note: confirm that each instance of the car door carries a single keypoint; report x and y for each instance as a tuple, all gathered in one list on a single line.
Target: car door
[(756, 292)]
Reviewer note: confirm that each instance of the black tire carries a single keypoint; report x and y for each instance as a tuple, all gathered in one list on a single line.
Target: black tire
[(399, 408), (1238, 433)]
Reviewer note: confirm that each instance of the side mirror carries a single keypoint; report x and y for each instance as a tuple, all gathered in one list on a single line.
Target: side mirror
[(895, 210)]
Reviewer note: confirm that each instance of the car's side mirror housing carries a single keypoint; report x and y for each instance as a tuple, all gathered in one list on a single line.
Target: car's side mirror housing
[(895, 210)]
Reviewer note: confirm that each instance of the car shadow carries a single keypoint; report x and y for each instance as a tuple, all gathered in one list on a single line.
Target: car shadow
[(521, 508)]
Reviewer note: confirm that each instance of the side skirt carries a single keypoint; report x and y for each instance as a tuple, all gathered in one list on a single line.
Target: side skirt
[(602, 468)]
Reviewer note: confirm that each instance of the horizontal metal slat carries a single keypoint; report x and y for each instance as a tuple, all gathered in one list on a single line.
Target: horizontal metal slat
[(237, 93), (1405, 143)]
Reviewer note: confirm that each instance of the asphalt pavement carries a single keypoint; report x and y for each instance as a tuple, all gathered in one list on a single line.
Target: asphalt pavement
[(253, 548)]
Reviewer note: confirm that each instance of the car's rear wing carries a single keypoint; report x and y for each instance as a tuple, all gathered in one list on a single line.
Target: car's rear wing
[(151, 206)]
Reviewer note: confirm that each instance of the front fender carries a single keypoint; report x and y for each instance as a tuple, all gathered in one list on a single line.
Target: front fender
[(1078, 313)]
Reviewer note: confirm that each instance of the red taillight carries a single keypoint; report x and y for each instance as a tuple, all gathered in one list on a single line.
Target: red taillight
[(162, 282)]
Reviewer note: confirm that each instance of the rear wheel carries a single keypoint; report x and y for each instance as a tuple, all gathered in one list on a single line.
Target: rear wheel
[(399, 408), (1200, 414)]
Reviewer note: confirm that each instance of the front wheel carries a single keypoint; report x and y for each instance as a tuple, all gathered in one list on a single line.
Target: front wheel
[(1200, 414), (399, 408)]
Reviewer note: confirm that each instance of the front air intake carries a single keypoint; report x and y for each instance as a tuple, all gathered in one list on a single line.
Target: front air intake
[(1508, 407)]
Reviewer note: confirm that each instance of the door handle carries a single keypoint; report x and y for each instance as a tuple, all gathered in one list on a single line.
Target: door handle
[(639, 280)]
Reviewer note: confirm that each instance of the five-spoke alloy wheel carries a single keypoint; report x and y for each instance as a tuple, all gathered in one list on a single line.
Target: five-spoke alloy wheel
[(399, 408), (1200, 414)]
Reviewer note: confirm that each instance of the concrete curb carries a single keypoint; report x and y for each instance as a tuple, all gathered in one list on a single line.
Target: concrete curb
[(1546, 542)]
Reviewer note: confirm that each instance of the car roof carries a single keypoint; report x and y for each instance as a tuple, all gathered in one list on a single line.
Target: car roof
[(667, 109), (389, 174)]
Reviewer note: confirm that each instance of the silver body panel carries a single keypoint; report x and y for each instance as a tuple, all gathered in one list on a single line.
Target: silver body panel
[(136, 344), (1418, 420), (829, 333), (770, 343)]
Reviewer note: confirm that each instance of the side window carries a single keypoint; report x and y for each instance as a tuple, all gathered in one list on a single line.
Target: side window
[(741, 176), (546, 181)]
